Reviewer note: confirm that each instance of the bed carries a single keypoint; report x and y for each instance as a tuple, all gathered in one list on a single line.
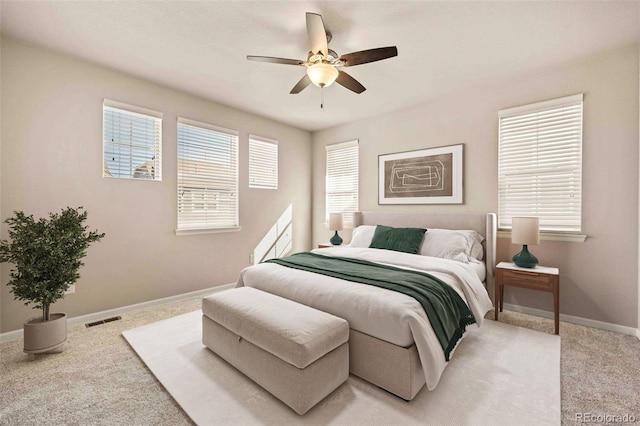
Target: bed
[(391, 342)]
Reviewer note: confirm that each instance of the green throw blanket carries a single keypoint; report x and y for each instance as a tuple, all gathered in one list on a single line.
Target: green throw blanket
[(448, 313)]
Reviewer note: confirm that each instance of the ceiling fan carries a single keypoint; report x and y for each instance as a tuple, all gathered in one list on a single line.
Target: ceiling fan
[(322, 63)]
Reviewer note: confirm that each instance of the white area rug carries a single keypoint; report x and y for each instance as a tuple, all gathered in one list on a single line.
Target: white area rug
[(499, 374)]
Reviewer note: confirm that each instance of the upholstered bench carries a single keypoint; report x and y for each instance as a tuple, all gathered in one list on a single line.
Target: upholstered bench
[(297, 353)]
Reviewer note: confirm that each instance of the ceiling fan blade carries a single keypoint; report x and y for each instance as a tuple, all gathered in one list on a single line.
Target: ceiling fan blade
[(317, 33), (349, 82), (371, 55), (299, 87), (275, 60)]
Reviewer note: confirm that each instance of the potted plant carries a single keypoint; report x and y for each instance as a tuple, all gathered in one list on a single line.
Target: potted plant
[(47, 256)]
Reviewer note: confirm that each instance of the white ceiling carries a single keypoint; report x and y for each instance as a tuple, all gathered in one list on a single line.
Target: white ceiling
[(201, 47)]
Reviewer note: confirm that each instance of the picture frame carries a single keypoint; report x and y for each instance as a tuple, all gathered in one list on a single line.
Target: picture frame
[(425, 176)]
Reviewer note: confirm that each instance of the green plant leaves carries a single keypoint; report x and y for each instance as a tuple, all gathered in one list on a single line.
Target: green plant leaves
[(47, 254)]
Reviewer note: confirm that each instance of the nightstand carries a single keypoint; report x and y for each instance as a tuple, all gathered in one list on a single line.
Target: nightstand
[(542, 278), (325, 245)]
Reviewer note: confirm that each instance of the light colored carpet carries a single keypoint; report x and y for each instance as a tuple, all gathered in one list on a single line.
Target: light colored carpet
[(499, 374)]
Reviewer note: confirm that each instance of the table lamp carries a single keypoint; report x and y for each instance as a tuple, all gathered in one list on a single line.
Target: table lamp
[(525, 231), (335, 224)]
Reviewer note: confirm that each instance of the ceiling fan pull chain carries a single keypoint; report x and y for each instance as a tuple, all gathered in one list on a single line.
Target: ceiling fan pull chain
[(322, 98)]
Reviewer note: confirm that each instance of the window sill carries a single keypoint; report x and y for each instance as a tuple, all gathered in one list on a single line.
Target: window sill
[(201, 231), (551, 236)]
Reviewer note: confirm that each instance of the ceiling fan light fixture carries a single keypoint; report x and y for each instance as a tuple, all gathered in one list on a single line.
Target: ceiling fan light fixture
[(322, 75)]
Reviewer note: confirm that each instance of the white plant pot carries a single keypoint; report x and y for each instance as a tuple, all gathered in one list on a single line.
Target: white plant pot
[(45, 336)]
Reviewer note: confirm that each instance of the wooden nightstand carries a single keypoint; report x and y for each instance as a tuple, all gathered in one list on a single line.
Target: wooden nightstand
[(539, 278), (325, 245)]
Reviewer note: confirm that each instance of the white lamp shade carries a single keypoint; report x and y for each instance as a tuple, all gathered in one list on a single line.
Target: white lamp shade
[(525, 230), (335, 221), (322, 75)]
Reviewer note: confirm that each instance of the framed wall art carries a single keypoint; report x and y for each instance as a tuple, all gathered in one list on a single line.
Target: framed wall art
[(426, 176)]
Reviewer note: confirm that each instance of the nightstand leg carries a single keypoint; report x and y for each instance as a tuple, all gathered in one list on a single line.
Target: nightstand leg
[(497, 300), (499, 292), (556, 305)]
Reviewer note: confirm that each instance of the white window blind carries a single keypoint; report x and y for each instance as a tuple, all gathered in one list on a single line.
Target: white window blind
[(207, 176), (132, 142), (342, 180), (263, 163), (540, 164)]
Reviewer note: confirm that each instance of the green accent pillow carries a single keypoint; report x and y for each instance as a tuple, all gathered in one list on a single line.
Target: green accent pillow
[(399, 239)]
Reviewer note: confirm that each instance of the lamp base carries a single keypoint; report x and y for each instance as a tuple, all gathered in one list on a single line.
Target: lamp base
[(336, 240), (524, 259)]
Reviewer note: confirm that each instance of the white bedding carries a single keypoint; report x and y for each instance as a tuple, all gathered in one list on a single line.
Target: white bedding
[(479, 268), (385, 314)]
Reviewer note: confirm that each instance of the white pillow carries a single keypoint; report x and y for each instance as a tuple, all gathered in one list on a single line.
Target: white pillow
[(362, 236), (461, 245)]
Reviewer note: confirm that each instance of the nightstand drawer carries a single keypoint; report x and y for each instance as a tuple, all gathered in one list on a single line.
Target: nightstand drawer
[(532, 280)]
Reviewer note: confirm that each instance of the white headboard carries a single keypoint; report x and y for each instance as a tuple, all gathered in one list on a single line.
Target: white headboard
[(484, 223)]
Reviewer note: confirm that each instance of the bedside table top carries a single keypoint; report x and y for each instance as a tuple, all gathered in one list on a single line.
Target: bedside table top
[(539, 269)]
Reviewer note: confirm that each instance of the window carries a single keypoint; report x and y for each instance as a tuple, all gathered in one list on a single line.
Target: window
[(132, 142), (263, 163), (207, 177), (540, 164), (342, 180)]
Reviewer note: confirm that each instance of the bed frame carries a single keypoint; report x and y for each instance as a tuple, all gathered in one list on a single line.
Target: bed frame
[(394, 368)]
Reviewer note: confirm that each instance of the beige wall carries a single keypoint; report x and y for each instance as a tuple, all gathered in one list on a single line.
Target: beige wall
[(2, 266), (599, 278), (52, 158)]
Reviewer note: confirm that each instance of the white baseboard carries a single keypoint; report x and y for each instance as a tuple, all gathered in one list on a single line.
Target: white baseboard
[(17, 334), (601, 325)]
